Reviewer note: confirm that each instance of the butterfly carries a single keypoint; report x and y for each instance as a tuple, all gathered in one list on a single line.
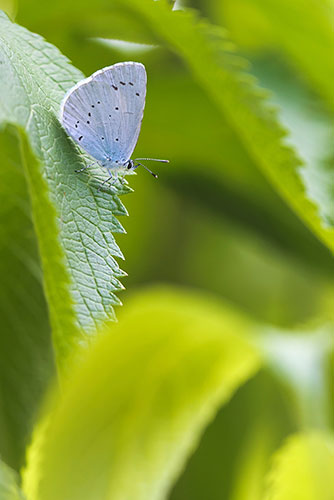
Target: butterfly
[(103, 114)]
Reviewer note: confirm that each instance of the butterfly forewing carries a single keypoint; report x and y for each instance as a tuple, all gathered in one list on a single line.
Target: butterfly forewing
[(103, 113)]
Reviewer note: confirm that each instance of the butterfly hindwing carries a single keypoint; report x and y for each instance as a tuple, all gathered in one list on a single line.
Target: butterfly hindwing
[(103, 113)]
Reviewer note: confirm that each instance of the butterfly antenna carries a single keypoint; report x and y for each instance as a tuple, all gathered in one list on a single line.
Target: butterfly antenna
[(150, 171), (152, 159)]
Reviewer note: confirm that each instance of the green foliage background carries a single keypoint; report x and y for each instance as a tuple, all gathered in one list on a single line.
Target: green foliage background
[(216, 382)]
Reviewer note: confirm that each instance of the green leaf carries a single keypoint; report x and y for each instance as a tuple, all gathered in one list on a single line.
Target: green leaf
[(306, 40), (26, 358), (303, 469), (134, 410), (9, 489), (73, 220)]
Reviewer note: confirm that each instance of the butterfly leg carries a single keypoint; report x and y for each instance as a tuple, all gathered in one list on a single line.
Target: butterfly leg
[(84, 168), (122, 178), (112, 177)]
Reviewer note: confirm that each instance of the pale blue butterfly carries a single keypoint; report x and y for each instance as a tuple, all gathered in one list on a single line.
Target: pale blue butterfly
[(103, 114)]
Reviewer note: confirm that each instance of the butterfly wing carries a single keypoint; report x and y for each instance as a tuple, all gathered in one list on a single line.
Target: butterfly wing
[(103, 113)]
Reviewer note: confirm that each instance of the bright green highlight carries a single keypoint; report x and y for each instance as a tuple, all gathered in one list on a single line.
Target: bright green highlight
[(303, 469)]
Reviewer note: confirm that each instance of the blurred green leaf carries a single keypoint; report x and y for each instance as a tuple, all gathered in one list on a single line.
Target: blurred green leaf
[(310, 131), (26, 358), (301, 31), (134, 410), (292, 392), (203, 250), (9, 7), (253, 465), (212, 198), (303, 469), (234, 452), (206, 50), (9, 489), (73, 221), (300, 360)]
